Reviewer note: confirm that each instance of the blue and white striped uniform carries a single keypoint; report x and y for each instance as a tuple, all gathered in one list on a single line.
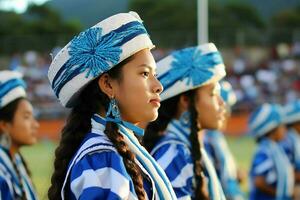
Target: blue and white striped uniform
[(271, 162), (97, 171), (291, 146), (173, 153), (10, 185), (217, 148)]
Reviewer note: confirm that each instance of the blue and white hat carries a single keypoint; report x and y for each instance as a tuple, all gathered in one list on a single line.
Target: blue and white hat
[(292, 112), (190, 68), (11, 87), (95, 51), (227, 93), (264, 119)]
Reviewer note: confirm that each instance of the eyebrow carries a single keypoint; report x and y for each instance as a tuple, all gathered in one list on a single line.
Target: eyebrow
[(27, 112), (148, 66)]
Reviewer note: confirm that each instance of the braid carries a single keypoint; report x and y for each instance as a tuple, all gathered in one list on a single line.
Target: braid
[(200, 192), (132, 168), (91, 100), (78, 124)]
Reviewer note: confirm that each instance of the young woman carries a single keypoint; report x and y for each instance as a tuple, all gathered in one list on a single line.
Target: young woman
[(191, 102), (106, 75), (216, 146), (271, 175), (18, 128), (291, 143)]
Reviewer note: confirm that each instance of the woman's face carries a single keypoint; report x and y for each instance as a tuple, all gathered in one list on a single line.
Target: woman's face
[(23, 128), (279, 133), (138, 91), (210, 106)]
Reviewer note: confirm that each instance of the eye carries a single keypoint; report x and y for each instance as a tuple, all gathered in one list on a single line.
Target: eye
[(146, 74), (26, 116)]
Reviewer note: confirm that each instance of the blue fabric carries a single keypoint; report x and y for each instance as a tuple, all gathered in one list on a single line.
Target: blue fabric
[(173, 153), (216, 146), (106, 161), (10, 185), (9, 85), (291, 146), (145, 160), (265, 118), (292, 112), (94, 53), (181, 159), (96, 167), (102, 185), (189, 63), (271, 163)]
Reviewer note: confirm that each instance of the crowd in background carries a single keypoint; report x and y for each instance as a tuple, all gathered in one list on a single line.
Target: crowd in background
[(268, 75)]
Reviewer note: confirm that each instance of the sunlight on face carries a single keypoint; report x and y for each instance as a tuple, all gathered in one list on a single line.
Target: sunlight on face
[(23, 129), (210, 106), (138, 92)]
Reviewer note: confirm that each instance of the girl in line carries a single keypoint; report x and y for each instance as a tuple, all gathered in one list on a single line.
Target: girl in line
[(18, 128), (291, 142), (107, 75), (191, 103), (271, 174), (219, 152)]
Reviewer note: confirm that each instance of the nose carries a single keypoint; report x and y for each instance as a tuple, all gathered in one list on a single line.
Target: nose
[(222, 104), (221, 101), (36, 124), (157, 88)]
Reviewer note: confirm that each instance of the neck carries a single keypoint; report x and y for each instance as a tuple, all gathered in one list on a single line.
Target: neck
[(13, 150), (201, 134)]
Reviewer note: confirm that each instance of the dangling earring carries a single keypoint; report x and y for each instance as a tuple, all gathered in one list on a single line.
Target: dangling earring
[(5, 141), (185, 119), (113, 109)]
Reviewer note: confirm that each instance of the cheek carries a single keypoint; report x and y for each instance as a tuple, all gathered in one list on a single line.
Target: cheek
[(21, 131), (134, 99), (209, 114)]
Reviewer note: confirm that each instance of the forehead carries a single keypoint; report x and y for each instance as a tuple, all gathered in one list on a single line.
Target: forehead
[(24, 106), (143, 58)]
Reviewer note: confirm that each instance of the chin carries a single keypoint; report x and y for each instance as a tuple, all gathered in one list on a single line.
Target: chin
[(152, 117)]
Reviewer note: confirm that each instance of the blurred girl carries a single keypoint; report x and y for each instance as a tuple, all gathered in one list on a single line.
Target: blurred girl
[(191, 102), (271, 175), (218, 150), (291, 143), (18, 128)]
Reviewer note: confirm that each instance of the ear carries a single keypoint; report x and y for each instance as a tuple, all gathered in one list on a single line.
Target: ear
[(106, 84), (183, 104), (4, 127)]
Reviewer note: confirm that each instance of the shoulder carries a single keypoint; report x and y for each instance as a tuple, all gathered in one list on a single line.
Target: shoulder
[(5, 189), (262, 162), (98, 160), (96, 174), (171, 149)]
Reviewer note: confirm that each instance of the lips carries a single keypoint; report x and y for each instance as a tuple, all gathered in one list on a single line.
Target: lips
[(155, 102)]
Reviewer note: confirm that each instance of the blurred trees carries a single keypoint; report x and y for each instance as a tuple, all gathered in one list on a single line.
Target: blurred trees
[(39, 28), (286, 26), (173, 23)]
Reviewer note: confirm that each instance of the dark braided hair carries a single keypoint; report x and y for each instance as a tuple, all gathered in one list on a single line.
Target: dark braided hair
[(154, 132), (7, 114), (200, 192), (91, 100)]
